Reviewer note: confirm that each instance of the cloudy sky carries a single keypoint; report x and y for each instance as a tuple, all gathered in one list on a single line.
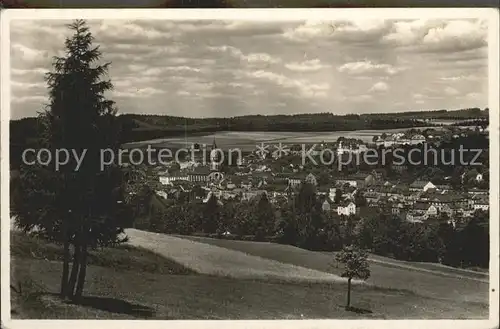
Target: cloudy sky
[(221, 68)]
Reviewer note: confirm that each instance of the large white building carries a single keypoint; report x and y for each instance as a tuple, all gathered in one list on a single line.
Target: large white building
[(347, 209), (168, 180)]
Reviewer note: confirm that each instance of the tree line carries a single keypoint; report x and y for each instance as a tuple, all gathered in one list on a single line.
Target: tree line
[(136, 127), (301, 221)]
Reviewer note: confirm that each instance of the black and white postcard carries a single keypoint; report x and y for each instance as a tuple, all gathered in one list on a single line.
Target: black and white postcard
[(324, 167)]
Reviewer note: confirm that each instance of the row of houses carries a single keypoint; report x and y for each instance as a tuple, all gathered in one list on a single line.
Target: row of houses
[(417, 201), (399, 139), (199, 174)]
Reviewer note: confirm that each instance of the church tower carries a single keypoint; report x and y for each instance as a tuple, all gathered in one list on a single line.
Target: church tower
[(214, 157)]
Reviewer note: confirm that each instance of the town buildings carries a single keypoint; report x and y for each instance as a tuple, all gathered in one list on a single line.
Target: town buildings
[(347, 193)]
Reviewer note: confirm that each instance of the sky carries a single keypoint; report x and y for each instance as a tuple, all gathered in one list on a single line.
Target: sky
[(232, 68)]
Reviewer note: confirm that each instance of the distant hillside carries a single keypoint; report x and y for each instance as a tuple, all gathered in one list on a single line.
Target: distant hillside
[(138, 127), (143, 127)]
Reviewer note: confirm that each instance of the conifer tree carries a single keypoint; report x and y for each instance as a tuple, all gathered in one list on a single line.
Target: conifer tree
[(78, 207)]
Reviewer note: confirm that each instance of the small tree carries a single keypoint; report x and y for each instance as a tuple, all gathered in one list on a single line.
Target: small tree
[(356, 266)]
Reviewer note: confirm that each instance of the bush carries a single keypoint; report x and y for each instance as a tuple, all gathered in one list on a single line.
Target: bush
[(248, 238)]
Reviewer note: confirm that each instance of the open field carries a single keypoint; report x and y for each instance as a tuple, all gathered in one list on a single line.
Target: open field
[(123, 257), (444, 284), (133, 294), (116, 293), (480, 274), (247, 140), (212, 260)]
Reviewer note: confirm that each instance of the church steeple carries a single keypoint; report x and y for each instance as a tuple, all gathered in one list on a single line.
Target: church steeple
[(214, 157)]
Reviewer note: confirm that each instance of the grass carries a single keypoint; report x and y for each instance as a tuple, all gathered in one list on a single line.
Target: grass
[(212, 260), (479, 273), (382, 275), (210, 297), (126, 291), (123, 257)]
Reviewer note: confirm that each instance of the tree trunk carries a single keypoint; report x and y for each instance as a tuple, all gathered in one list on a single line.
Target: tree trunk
[(65, 272), (74, 271), (83, 262), (349, 292), (83, 272)]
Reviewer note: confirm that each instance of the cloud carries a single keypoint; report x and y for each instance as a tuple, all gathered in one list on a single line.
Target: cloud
[(451, 91), (30, 99), (367, 67), (406, 33), (128, 32), (27, 85), (138, 92), (379, 87), (360, 31), (457, 36), (309, 30), (250, 58), (220, 68), (304, 87), (469, 77), (28, 72), (474, 96), (356, 31), (307, 66), (244, 85), (360, 98), (28, 54), (438, 35)]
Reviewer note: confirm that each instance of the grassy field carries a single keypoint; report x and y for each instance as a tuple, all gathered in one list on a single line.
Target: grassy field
[(439, 285), (212, 260), (132, 294), (123, 257), (247, 141), (128, 288), (478, 273)]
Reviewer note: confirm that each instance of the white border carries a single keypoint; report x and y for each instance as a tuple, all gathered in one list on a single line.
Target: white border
[(491, 15)]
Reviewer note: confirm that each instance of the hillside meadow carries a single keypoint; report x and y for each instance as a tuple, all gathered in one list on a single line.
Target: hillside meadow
[(123, 283)]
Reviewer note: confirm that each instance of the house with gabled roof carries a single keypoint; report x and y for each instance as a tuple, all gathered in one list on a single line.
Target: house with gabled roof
[(346, 209), (311, 179), (417, 139), (169, 179), (422, 211), (420, 185), (476, 191), (481, 203), (371, 197), (379, 173), (326, 207), (199, 174)]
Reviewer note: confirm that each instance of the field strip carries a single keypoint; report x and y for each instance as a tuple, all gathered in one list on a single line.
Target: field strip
[(208, 259), (420, 269)]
